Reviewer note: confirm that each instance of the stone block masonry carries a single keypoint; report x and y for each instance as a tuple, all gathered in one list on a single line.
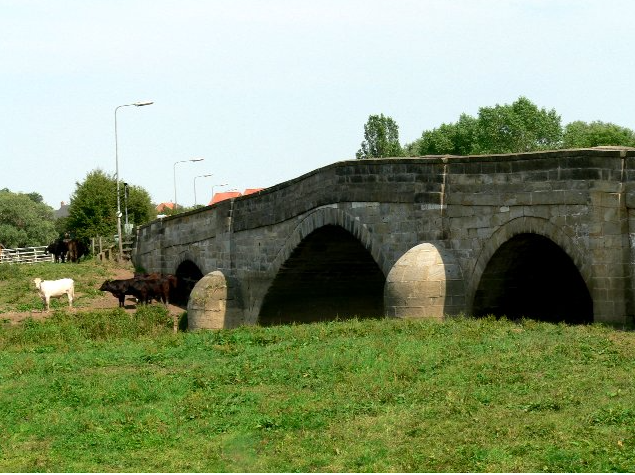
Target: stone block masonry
[(433, 236)]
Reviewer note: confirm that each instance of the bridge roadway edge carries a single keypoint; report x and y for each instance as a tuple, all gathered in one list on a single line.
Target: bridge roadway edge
[(465, 207)]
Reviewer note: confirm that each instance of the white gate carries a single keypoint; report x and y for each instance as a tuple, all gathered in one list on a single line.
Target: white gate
[(25, 255)]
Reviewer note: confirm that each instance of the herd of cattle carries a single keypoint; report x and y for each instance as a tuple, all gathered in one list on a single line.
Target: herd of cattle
[(67, 249), (144, 287)]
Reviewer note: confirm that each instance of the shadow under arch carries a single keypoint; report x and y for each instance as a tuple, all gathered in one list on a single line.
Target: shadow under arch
[(329, 215), (530, 268), (329, 274), (187, 274)]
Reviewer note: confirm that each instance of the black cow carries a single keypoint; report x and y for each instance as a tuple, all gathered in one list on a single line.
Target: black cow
[(76, 249), (167, 283), (151, 288), (59, 249), (119, 288)]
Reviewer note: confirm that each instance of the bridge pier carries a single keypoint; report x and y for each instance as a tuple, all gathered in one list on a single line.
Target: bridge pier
[(426, 282), (215, 302)]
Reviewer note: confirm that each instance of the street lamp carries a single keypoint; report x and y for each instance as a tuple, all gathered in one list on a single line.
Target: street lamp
[(136, 104), (222, 184), (174, 170), (200, 176)]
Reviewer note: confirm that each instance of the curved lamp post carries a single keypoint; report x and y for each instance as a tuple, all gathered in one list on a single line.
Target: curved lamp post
[(174, 170), (136, 104), (199, 176), (221, 184)]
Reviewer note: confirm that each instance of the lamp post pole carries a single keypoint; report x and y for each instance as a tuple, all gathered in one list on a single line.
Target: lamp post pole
[(199, 176), (174, 173), (136, 104), (125, 203), (222, 184)]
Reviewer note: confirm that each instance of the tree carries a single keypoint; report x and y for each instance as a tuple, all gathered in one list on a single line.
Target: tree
[(580, 134), (519, 127), (451, 139), (93, 208), (381, 138), (25, 221)]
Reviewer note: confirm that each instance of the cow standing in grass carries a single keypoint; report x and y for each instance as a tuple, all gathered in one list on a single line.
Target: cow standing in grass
[(55, 288), (59, 249)]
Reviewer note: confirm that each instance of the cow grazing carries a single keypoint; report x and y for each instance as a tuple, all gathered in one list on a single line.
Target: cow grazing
[(55, 288)]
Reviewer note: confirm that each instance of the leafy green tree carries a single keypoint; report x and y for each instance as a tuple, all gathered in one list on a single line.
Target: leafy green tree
[(93, 208), (519, 127), (510, 128), (381, 138), (452, 139), (25, 220), (140, 207), (581, 134)]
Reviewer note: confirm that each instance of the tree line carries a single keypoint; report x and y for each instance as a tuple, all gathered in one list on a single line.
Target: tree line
[(25, 220), (510, 128)]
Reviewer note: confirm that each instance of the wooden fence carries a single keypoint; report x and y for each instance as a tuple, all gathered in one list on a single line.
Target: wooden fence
[(25, 255)]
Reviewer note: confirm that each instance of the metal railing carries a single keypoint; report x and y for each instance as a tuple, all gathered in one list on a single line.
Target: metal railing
[(25, 255)]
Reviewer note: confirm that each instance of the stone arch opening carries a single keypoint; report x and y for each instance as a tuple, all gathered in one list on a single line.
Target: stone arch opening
[(530, 276), (329, 275), (188, 274)]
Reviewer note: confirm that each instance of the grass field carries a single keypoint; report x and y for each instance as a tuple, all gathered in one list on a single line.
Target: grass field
[(18, 293), (109, 391)]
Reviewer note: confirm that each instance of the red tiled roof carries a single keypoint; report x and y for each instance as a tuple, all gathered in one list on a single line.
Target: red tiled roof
[(225, 195), (163, 206), (249, 191)]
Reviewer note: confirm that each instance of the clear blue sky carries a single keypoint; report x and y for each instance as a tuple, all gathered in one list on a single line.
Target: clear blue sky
[(266, 91)]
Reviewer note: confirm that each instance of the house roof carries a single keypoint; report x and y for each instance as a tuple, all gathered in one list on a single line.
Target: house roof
[(225, 195), (63, 212), (249, 191), (162, 206)]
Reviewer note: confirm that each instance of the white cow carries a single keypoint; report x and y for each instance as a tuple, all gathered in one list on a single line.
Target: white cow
[(55, 288)]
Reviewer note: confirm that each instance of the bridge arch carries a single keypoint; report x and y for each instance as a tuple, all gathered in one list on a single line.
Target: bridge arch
[(529, 267), (188, 273), (329, 215), (328, 268)]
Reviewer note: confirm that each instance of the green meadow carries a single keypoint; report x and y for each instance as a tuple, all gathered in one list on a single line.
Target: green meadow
[(109, 391)]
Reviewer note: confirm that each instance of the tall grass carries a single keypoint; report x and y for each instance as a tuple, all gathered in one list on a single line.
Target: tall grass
[(112, 392)]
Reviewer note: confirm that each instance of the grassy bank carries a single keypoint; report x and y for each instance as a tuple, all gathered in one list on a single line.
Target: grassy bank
[(18, 293), (106, 391)]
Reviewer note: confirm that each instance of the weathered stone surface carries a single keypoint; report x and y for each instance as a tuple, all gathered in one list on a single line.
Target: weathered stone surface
[(215, 303), (421, 280), (582, 200)]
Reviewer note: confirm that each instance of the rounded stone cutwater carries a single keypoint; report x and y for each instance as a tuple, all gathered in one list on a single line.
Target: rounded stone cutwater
[(215, 303), (426, 282)]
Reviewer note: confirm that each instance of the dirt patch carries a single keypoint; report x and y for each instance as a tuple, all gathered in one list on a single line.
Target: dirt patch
[(86, 305)]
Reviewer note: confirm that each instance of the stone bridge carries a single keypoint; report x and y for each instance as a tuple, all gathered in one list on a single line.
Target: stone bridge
[(546, 235)]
